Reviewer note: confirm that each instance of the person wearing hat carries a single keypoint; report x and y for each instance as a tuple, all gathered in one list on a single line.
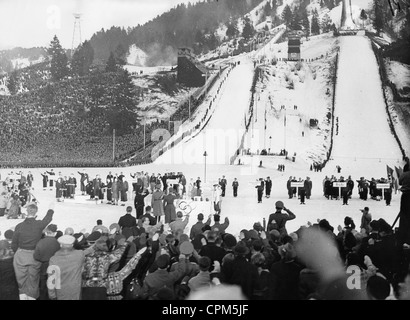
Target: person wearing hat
[(228, 242), (169, 207), (260, 188), (157, 202), (25, 238), (235, 185), (190, 262), (160, 278), (196, 229), (96, 267), (278, 219), (268, 187), (127, 220), (64, 269), (8, 285), (285, 275), (44, 250), (366, 219), (240, 271)]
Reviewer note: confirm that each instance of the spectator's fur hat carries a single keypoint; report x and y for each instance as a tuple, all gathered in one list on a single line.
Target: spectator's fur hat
[(229, 240), (241, 249)]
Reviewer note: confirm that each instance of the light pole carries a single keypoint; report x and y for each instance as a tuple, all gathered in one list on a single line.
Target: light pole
[(205, 155), (284, 127), (270, 143), (144, 133)]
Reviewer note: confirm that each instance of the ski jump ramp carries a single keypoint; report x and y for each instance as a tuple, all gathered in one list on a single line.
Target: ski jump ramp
[(363, 140)]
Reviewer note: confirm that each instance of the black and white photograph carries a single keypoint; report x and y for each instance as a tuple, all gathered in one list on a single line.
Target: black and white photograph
[(183, 151)]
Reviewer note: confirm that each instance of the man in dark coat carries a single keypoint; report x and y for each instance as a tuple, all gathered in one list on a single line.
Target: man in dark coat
[(277, 220), (223, 184), (285, 275), (211, 250), (268, 187), (83, 181), (139, 202), (235, 185), (44, 250), (240, 271), (404, 224), (288, 186), (51, 178), (127, 220), (260, 188), (308, 187)]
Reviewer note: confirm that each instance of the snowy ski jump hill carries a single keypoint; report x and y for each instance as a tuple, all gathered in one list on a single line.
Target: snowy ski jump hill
[(363, 140)]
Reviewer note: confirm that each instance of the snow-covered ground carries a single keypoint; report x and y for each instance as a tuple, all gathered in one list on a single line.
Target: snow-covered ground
[(222, 135), (310, 84)]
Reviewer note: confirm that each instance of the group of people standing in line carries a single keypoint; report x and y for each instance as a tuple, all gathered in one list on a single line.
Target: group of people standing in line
[(336, 188)]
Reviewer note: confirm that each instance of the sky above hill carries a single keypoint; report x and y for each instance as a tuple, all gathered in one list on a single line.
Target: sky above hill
[(28, 23)]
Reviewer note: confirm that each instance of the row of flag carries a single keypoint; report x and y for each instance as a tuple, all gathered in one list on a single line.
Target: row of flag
[(395, 174)]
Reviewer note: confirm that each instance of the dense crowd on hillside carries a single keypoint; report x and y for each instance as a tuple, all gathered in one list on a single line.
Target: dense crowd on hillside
[(60, 129), (154, 256)]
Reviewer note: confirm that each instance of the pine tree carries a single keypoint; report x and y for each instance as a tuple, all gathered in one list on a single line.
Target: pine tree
[(231, 30), (121, 112), (306, 23), (315, 28), (378, 16), (248, 30), (59, 61), (296, 23), (120, 54), (287, 16), (111, 65), (267, 9), (82, 59), (12, 83)]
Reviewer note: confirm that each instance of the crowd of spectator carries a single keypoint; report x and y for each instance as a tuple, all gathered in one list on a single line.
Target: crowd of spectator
[(62, 127)]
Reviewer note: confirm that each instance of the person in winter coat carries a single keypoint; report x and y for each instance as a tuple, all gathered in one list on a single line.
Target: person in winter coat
[(308, 187), (235, 185), (268, 187), (277, 220), (157, 202), (8, 284), (169, 207)]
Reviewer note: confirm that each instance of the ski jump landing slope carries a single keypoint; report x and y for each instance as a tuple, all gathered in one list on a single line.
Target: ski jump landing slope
[(362, 141), (222, 135)]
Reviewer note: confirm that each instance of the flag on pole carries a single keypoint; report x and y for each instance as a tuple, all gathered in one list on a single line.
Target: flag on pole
[(399, 171), (389, 171)]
